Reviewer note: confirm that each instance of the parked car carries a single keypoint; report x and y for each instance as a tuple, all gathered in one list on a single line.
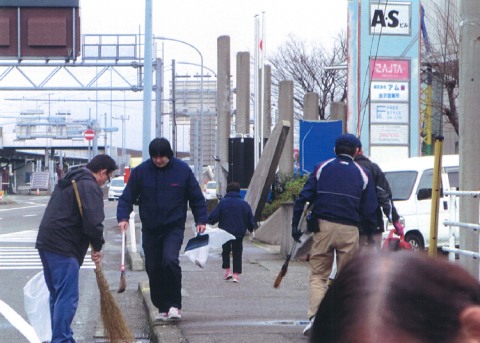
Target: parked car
[(211, 192), (116, 188), (411, 183)]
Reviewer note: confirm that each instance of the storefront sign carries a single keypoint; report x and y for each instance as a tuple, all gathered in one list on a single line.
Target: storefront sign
[(393, 113), (389, 69), (389, 134), (390, 18), (389, 91)]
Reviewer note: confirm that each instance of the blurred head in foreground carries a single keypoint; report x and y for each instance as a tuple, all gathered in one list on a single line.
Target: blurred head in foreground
[(400, 297)]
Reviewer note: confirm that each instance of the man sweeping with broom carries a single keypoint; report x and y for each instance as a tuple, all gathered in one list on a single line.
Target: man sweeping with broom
[(64, 237)]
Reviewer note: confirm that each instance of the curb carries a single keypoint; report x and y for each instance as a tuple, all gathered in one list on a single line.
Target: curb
[(7, 202), (160, 332)]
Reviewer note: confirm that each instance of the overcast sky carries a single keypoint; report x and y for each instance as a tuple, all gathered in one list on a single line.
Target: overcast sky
[(199, 23)]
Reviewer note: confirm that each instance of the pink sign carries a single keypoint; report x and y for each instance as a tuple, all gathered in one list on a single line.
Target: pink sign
[(389, 69)]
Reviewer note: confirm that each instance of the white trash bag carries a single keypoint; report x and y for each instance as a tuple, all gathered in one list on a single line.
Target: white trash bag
[(37, 305), (216, 238)]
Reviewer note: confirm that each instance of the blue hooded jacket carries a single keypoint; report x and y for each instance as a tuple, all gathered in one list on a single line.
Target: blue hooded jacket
[(233, 214), (163, 195)]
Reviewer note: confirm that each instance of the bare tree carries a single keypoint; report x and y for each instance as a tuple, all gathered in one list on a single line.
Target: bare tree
[(441, 53), (304, 64)]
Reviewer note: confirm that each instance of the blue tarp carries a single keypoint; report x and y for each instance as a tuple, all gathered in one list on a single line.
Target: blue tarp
[(317, 140)]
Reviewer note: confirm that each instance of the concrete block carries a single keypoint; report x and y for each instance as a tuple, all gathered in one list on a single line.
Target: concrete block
[(242, 117), (286, 228), (285, 112), (264, 174), (338, 111), (310, 106), (270, 231)]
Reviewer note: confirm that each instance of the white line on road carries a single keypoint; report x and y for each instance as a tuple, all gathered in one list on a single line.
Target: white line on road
[(30, 215), (20, 208), (19, 323)]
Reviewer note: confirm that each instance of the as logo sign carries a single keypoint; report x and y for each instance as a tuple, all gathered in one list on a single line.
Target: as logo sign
[(390, 18)]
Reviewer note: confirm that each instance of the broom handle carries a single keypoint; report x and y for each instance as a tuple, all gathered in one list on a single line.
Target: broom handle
[(294, 245), (123, 251), (79, 202)]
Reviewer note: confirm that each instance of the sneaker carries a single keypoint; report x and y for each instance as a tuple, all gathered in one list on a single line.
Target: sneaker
[(235, 277), (174, 313), (161, 316), (308, 328), (228, 274)]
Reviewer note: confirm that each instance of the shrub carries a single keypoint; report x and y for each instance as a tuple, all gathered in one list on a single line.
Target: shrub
[(286, 189)]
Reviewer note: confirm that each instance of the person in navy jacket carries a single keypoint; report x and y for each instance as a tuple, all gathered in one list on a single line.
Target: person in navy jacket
[(235, 216), (343, 197), (163, 186)]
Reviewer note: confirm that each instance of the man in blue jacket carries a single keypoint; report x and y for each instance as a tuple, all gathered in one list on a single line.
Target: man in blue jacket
[(234, 215), (163, 186), (343, 196)]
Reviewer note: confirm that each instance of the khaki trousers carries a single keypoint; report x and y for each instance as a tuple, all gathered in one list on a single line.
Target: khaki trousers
[(332, 237)]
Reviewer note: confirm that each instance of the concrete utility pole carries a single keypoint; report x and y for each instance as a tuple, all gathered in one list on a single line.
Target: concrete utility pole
[(469, 88), (158, 98), (242, 117), (147, 81), (223, 110), (310, 106), (285, 113)]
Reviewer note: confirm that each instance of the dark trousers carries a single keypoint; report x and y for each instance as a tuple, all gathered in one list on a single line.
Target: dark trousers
[(236, 247), (163, 267), (61, 276)]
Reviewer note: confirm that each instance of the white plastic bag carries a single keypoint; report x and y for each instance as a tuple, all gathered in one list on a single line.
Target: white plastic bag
[(217, 238), (37, 305)]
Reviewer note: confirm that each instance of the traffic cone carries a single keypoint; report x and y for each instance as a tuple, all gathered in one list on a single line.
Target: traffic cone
[(38, 191)]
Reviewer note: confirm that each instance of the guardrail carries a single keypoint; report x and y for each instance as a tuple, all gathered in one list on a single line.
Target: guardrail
[(453, 223)]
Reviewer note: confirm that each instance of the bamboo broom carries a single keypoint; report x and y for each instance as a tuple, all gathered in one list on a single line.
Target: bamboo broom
[(115, 327), (284, 269)]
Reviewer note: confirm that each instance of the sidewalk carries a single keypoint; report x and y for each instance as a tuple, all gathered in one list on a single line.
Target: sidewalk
[(215, 310)]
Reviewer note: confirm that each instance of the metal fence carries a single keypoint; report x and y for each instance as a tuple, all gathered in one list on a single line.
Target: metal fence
[(451, 249)]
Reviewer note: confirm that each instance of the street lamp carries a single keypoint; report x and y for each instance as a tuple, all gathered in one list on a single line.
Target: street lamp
[(200, 167)]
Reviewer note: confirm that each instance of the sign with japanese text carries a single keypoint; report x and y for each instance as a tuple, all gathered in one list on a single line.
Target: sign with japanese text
[(389, 134), (390, 18), (389, 69), (389, 91), (391, 113)]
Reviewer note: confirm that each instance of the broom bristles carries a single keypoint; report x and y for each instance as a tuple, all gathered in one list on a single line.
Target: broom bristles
[(115, 327), (280, 276), (123, 283)]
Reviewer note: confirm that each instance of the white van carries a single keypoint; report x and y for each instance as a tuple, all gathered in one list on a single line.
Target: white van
[(411, 183)]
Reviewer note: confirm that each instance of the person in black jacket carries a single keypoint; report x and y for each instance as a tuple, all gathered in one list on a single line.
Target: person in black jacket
[(235, 216), (164, 187), (64, 236), (384, 197)]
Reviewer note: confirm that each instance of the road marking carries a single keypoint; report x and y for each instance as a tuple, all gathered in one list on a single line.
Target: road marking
[(28, 258), (111, 218), (19, 323), (30, 215), (27, 236), (21, 208)]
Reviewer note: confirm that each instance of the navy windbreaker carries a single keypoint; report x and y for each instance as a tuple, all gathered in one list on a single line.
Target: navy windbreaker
[(163, 196), (233, 214), (341, 191)]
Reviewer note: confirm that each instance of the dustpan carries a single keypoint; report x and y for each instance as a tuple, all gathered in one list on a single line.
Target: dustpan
[(197, 242)]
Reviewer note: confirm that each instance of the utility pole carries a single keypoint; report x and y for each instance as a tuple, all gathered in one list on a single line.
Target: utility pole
[(174, 124), (147, 81), (469, 88)]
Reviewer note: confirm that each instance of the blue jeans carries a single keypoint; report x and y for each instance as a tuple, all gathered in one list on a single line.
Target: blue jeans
[(61, 277), (162, 250)]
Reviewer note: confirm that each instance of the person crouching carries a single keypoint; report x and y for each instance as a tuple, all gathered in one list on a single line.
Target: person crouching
[(235, 216)]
